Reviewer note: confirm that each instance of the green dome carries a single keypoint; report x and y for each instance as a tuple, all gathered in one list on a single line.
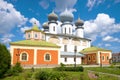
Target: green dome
[(35, 27)]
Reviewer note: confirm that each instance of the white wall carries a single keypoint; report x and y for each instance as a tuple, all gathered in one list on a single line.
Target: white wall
[(51, 25), (80, 32), (70, 60)]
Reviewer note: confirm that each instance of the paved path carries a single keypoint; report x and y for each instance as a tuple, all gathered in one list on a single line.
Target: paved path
[(106, 74)]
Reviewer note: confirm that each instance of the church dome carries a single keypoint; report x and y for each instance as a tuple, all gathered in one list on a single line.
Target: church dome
[(45, 25), (52, 16), (66, 16), (79, 22)]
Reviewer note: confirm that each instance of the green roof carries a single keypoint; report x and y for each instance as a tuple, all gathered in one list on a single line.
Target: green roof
[(40, 43), (34, 28), (93, 49)]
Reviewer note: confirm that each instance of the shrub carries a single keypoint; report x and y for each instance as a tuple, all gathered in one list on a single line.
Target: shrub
[(70, 68), (62, 65), (15, 70), (44, 75), (5, 60)]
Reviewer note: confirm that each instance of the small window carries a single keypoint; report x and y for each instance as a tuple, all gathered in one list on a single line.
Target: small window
[(65, 30), (35, 35), (24, 57), (107, 58), (53, 28), (65, 59), (69, 30), (47, 57), (65, 48), (28, 35), (75, 48), (89, 58)]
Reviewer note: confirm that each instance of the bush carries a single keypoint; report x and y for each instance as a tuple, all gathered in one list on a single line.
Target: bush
[(70, 68), (15, 69), (44, 75), (5, 60)]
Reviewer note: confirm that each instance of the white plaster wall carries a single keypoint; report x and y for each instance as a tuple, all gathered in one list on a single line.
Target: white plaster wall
[(67, 26), (51, 25), (70, 60), (80, 33)]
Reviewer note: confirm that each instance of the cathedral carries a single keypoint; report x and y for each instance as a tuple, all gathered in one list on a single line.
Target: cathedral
[(60, 42)]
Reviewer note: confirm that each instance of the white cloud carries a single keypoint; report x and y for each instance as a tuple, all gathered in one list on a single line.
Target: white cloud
[(107, 45), (44, 4), (35, 21), (6, 38), (117, 1), (100, 27), (92, 3), (111, 39), (22, 29), (61, 5), (9, 17)]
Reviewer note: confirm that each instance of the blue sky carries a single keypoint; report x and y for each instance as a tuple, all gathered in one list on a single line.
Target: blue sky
[(101, 19)]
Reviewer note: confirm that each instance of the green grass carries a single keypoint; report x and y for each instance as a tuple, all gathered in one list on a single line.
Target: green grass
[(109, 70), (28, 74)]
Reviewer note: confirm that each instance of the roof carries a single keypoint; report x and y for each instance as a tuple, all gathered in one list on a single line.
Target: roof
[(67, 35), (93, 49), (71, 54), (40, 43), (34, 28)]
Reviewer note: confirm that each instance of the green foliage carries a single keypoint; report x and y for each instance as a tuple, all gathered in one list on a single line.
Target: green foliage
[(42, 75), (112, 66), (45, 75), (70, 68), (15, 69), (62, 65), (5, 60)]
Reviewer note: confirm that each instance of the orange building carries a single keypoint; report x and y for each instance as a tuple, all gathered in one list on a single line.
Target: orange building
[(34, 50), (95, 55)]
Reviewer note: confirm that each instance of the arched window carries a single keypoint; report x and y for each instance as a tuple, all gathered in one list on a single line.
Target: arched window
[(35, 36), (65, 30), (24, 56), (69, 30), (47, 57), (29, 35), (53, 28)]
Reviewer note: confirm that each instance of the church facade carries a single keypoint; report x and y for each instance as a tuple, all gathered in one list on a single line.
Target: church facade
[(60, 42)]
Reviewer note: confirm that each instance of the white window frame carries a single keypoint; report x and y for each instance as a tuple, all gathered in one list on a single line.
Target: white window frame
[(21, 56), (45, 56)]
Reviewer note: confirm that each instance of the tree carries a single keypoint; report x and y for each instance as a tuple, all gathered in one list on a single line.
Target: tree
[(5, 60)]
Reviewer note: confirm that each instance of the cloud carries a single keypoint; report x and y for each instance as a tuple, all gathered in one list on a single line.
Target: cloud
[(111, 39), (9, 17), (22, 29), (92, 3), (61, 5), (107, 45), (117, 1), (100, 27), (44, 4), (6, 38), (34, 20)]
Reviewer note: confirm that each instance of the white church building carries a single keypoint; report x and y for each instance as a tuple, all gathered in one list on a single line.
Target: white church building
[(68, 35)]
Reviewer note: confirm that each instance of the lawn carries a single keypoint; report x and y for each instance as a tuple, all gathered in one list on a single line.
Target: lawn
[(28, 74)]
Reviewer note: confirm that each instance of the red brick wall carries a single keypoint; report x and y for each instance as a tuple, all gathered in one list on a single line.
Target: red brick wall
[(105, 61), (30, 53), (41, 53)]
